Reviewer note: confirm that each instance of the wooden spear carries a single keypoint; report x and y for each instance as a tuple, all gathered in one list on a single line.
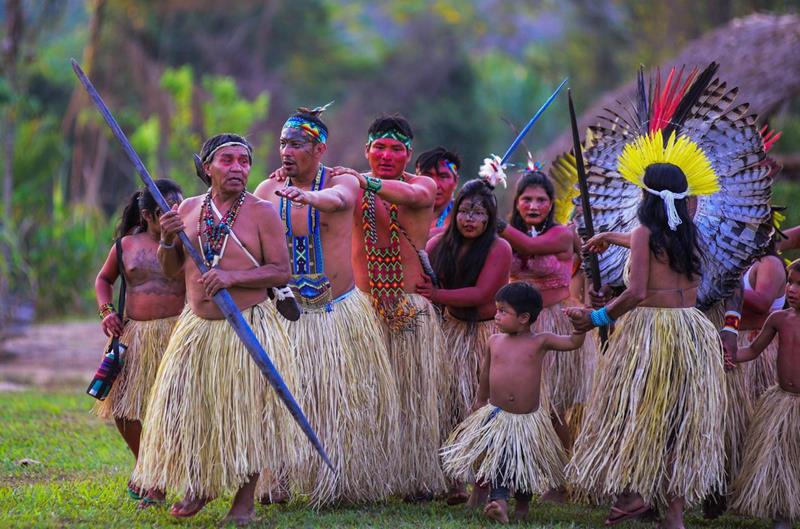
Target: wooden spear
[(594, 265)]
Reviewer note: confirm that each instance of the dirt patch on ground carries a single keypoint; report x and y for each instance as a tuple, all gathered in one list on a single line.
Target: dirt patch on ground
[(51, 355)]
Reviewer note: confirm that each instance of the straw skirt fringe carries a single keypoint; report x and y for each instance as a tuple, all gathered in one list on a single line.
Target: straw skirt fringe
[(466, 346), (519, 451), (422, 374), (655, 422), (739, 407), (737, 417), (213, 420), (349, 395), (566, 378), (146, 341), (768, 485), (762, 372)]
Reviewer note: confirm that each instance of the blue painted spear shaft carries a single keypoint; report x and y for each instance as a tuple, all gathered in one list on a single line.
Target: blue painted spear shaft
[(535, 117), (222, 298)]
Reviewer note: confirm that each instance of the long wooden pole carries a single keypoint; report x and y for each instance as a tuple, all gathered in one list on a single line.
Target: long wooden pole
[(594, 265)]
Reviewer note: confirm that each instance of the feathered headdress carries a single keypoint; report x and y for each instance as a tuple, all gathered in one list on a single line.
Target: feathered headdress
[(689, 120)]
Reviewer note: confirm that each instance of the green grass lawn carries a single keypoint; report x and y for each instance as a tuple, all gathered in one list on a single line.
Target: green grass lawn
[(84, 466)]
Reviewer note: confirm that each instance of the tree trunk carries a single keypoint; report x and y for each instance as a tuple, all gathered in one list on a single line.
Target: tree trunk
[(87, 165)]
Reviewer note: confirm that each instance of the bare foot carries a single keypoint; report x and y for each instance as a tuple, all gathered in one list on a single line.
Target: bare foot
[(240, 518), (497, 510), (558, 495), (479, 496), (188, 507), (152, 498)]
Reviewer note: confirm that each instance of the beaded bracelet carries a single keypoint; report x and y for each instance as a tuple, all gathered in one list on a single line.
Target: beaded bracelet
[(732, 321), (106, 309), (373, 184), (600, 318)]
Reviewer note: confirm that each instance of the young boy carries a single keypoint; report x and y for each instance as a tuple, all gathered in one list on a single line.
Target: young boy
[(768, 486), (508, 441)]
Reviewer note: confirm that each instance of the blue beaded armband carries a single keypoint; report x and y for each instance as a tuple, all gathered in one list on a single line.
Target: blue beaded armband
[(600, 318)]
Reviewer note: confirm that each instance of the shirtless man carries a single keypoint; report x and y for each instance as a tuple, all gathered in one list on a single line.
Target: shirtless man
[(391, 222), (349, 391), (441, 165), (215, 423)]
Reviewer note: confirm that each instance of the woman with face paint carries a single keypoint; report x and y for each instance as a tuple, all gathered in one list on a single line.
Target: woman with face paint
[(543, 257), (472, 264)]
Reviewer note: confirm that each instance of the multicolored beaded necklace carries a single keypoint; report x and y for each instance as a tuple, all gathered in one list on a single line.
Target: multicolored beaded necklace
[(308, 266), (385, 269), (444, 214), (216, 235)]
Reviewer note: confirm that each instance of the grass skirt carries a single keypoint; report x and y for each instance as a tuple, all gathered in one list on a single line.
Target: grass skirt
[(213, 419), (146, 341), (519, 451), (655, 421), (762, 372), (422, 375), (739, 404), (768, 485), (566, 378), (739, 410), (349, 395), (466, 346)]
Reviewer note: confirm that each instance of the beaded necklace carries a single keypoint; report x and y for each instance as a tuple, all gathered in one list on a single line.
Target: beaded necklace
[(216, 235), (308, 265), (385, 269)]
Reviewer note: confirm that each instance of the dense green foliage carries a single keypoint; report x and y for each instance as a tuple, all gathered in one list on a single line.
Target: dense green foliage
[(83, 467)]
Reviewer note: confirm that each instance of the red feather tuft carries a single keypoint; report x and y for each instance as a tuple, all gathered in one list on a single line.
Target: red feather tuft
[(665, 101), (769, 137)]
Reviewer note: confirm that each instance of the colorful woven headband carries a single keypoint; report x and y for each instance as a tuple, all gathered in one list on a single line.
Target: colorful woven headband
[(210, 155), (311, 129), (453, 167), (392, 135)]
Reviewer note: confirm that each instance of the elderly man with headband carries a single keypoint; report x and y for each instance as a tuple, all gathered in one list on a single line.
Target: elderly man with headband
[(214, 423)]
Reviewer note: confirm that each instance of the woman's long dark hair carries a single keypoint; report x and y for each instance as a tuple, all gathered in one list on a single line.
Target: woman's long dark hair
[(461, 272), (533, 179), (680, 246), (132, 220)]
